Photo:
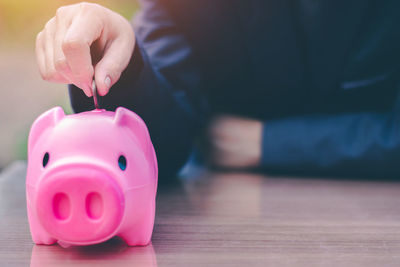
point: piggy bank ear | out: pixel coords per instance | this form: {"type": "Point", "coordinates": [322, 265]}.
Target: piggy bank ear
{"type": "Point", "coordinates": [126, 118]}
{"type": "Point", "coordinates": [42, 123]}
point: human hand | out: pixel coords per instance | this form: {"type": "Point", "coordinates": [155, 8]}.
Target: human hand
{"type": "Point", "coordinates": [234, 142]}
{"type": "Point", "coordinates": [83, 40]}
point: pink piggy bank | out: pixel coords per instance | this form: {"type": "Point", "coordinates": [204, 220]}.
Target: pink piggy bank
{"type": "Point", "coordinates": [91, 176]}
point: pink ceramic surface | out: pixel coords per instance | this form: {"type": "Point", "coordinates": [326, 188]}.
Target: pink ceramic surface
{"type": "Point", "coordinates": [91, 176]}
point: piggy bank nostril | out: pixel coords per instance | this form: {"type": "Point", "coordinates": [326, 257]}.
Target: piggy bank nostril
{"type": "Point", "coordinates": [94, 205]}
{"type": "Point", "coordinates": [61, 206]}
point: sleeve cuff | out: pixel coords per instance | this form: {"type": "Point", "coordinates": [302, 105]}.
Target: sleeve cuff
{"type": "Point", "coordinates": [290, 144]}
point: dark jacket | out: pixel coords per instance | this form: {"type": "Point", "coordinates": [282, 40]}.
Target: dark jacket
{"type": "Point", "coordinates": [323, 75]}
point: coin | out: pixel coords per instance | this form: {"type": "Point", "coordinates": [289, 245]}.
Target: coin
{"type": "Point", "coordinates": [94, 93]}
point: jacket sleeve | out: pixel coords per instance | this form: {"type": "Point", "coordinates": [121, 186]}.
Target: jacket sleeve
{"type": "Point", "coordinates": [356, 144]}
{"type": "Point", "coordinates": [161, 84]}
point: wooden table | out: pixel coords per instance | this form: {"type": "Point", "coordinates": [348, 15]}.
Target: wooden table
{"type": "Point", "coordinates": [232, 219]}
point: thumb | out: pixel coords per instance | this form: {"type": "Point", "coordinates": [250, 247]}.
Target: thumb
{"type": "Point", "coordinates": [115, 59]}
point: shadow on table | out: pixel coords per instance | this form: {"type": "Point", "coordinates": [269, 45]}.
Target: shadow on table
{"type": "Point", "coordinates": [111, 253]}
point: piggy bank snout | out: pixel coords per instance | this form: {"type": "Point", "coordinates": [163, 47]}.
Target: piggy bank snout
{"type": "Point", "coordinates": [80, 208]}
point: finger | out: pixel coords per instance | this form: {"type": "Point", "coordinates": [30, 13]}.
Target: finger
{"type": "Point", "coordinates": [40, 56]}
{"type": "Point", "coordinates": [76, 48]}
{"type": "Point", "coordinates": [51, 73]}
{"type": "Point", "coordinates": [60, 62]}
{"type": "Point", "coordinates": [113, 63]}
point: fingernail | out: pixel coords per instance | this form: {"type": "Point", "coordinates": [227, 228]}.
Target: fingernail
{"type": "Point", "coordinates": [88, 90]}
{"type": "Point", "coordinates": [107, 81]}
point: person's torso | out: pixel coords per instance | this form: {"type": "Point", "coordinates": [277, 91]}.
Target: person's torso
{"type": "Point", "coordinates": [271, 58]}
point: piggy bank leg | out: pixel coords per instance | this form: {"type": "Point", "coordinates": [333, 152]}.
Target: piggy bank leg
{"type": "Point", "coordinates": [140, 233]}
{"type": "Point", "coordinates": [39, 235]}
{"type": "Point", "coordinates": [43, 239]}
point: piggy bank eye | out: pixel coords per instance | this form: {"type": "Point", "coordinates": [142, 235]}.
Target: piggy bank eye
{"type": "Point", "coordinates": [46, 158]}
{"type": "Point", "coordinates": [122, 162]}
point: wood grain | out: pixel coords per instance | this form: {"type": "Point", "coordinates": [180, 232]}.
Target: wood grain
{"type": "Point", "coordinates": [233, 219]}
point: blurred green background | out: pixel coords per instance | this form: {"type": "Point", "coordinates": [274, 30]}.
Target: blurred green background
{"type": "Point", "coordinates": [23, 94]}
